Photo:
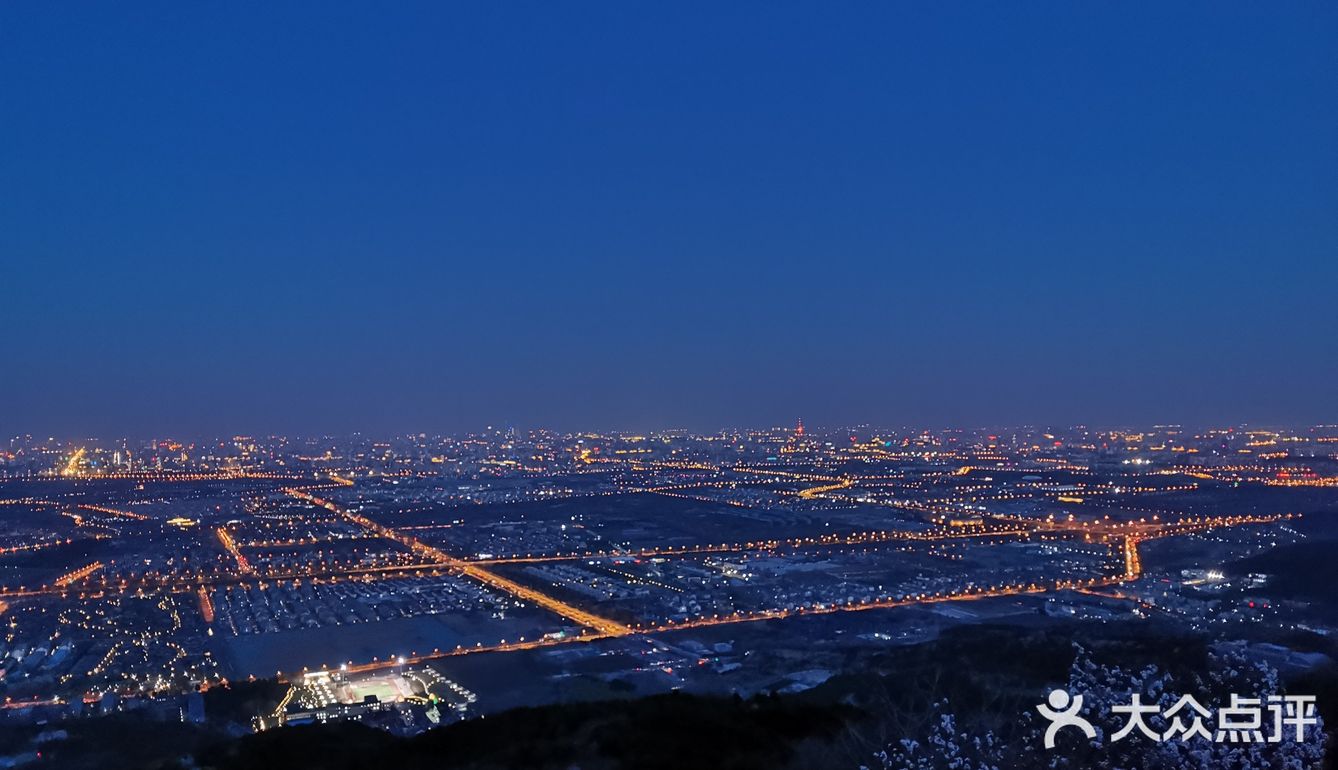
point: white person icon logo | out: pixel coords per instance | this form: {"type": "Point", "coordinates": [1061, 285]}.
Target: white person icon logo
{"type": "Point", "coordinates": [1063, 712]}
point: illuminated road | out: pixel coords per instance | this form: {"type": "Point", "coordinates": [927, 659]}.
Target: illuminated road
{"type": "Point", "coordinates": [71, 470]}
{"type": "Point", "coordinates": [854, 538]}
{"type": "Point", "coordinates": [473, 570]}
{"type": "Point", "coordinates": [815, 492]}
{"type": "Point", "coordinates": [194, 583]}
{"type": "Point", "coordinates": [79, 574]}
{"type": "Point", "coordinates": [230, 546]}
{"type": "Point", "coordinates": [1141, 528]}
{"type": "Point", "coordinates": [206, 606]}
{"type": "Point", "coordinates": [72, 467]}
{"type": "Point", "coordinates": [114, 512]}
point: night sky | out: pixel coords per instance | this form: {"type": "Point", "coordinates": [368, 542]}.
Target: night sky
{"type": "Point", "coordinates": [221, 218]}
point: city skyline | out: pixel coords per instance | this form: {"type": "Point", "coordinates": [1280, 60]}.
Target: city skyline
{"type": "Point", "coordinates": [828, 432]}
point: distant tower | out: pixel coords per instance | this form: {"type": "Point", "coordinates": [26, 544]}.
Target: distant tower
{"type": "Point", "coordinates": [799, 429]}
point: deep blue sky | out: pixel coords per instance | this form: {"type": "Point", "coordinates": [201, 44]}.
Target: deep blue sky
{"type": "Point", "coordinates": [256, 217]}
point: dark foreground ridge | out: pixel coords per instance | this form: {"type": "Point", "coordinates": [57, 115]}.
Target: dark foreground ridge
{"type": "Point", "coordinates": [662, 731]}
{"type": "Point", "coordinates": [990, 676]}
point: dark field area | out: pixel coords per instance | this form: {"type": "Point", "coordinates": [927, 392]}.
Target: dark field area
{"type": "Point", "coordinates": [1307, 570]}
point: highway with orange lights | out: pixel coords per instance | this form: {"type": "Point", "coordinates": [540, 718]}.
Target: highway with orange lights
{"type": "Point", "coordinates": [230, 545]}
{"type": "Point", "coordinates": [471, 569]}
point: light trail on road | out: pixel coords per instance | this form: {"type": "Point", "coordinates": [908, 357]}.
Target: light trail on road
{"type": "Point", "coordinates": [854, 538]}
{"type": "Point", "coordinates": [475, 571]}
{"type": "Point", "coordinates": [230, 546]}
{"type": "Point", "coordinates": [115, 512]}
{"type": "Point", "coordinates": [79, 574]}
